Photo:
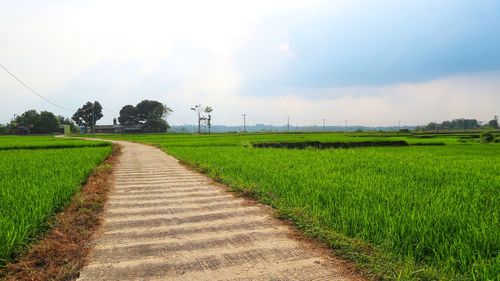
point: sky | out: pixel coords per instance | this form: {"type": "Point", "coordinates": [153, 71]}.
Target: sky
{"type": "Point", "coordinates": [372, 63]}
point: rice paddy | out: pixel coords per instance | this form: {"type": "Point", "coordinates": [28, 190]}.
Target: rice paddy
{"type": "Point", "coordinates": [434, 210]}
{"type": "Point", "coordinates": [428, 210]}
{"type": "Point", "coordinates": [37, 182]}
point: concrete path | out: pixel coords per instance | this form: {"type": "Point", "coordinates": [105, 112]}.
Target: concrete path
{"type": "Point", "coordinates": [166, 222]}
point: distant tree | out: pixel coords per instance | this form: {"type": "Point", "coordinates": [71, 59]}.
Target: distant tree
{"type": "Point", "coordinates": [431, 126]}
{"type": "Point", "coordinates": [198, 109]}
{"type": "Point", "coordinates": [128, 115]}
{"type": "Point", "coordinates": [88, 114]}
{"type": "Point", "coordinates": [28, 119]}
{"type": "Point", "coordinates": [156, 126]}
{"type": "Point", "coordinates": [37, 123]}
{"type": "Point", "coordinates": [493, 123]}
{"type": "Point", "coordinates": [3, 129]}
{"type": "Point", "coordinates": [148, 113]}
{"type": "Point", "coordinates": [150, 110]}
{"type": "Point", "coordinates": [455, 124]}
{"type": "Point", "coordinates": [208, 110]}
{"type": "Point", "coordinates": [487, 137]}
{"type": "Point", "coordinates": [47, 123]}
{"type": "Point", "coordinates": [114, 122]}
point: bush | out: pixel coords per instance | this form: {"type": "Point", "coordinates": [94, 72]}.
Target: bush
{"type": "Point", "coordinates": [487, 137]}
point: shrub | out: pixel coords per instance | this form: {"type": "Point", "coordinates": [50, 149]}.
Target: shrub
{"type": "Point", "coordinates": [487, 137]}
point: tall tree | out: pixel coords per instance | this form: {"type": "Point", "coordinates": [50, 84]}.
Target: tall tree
{"type": "Point", "coordinates": [88, 114]}
{"type": "Point", "coordinates": [208, 110]}
{"type": "Point", "coordinates": [38, 123]}
{"type": "Point", "coordinates": [28, 119]}
{"type": "Point", "coordinates": [128, 115]}
{"type": "Point", "coordinates": [152, 113]}
{"type": "Point", "coordinates": [198, 109]}
{"type": "Point", "coordinates": [148, 113]}
{"type": "Point", "coordinates": [47, 123]}
{"type": "Point", "coordinates": [149, 110]}
{"type": "Point", "coordinates": [493, 123]}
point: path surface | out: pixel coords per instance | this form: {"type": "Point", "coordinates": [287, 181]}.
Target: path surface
{"type": "Point", "coordinates": [166, 222]}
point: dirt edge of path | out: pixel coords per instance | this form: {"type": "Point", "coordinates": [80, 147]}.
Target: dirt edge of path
{"type": "Point", "coordinates": [62, 252]}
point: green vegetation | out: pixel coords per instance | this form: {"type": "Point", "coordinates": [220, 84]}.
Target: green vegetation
{"type": "Point", "coordinates": [487, 137]}
{"type": "Point", "coordinates": [44, 142]}
{"type": "Point", "coordinates": [148, 115]}
{"type": "Point", "coordinates": [405, 213]}
{"type": "Point", "coordinates": [36, 183]}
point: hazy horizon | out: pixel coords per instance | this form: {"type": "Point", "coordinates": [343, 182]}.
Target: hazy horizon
{"type": "Point", "coordinates": [373, 64]}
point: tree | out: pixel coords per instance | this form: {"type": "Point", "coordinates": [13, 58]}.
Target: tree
{"type": "Point", "coordinates": [147, 113]}
{"type": "Point", "coordinates": [128, 115]}
{"type": "Point", "coordinates": [487, 137]}
{"type": "Point", "coordinates": [3, 129]}
{"type": "Point", "coordinates": [455, 124]}
{"type": "Point", "coordinates": [493, 123]}
{"type": "Point", "coordinates": [208, 110]}
{"type": "Point", "coordinates": [28, 119]}
{"type": "Point", "coordinates": [156, 126]}
{"type": "Point", "coordinates": [88, 114]}
{"type": "Point", "coordinates": [198, 109]}
{"type": "Point", "coordinates": [206, 120]}
{"type": "Point", "coordinates": [150, 110]}
{"type": "Point", "coordinates": [38, 123]}
{"type": "Point", "coordinates": [47, 123]}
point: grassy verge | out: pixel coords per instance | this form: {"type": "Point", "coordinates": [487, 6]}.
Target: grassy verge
{"type": "Point", "coordinates": [36, 184]}
{"type": "Point", "coordinates": [59, 253]}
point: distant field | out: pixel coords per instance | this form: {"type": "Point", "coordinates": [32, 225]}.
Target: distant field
{"type": "Point", "coordinates": [247, 139]}
{"type": "Point", "coordinates": [44, 142]}
{"type": "Point", "coordinates": [434, 208]}
{"type": "Point", "coordinates": [35, 183]}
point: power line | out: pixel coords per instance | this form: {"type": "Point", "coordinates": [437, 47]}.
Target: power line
{"type": "Point", "coordinates": [33, 91]}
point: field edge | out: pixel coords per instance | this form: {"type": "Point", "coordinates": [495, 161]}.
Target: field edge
{"type": "Point", "coordinates": [60, 252]}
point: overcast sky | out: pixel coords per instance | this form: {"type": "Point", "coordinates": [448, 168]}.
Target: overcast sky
{"type": "Point", "coordinates": [368, 62]}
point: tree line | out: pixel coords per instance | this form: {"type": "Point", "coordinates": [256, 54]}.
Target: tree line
{"type": "Point", "coordinates": [460, 124]}
{"type": "Point", "coordinates": [148, 116]}
{"type": "Point", "coordinates": [34, 122]}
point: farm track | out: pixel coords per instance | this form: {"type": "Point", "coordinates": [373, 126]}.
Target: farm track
{"type": "Point", "coordinates": [166, 222]}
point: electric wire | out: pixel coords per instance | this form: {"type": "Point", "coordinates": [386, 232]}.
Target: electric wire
{"type": "Point", "coordinates": [31, 90]}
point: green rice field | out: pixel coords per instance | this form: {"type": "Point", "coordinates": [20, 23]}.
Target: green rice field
{"type": "Point", "coordinates": [45, 142]}
{"type": "Point", "coordinates": [37, 182]}
{"type": "Point", "coordinates": [405, 213]}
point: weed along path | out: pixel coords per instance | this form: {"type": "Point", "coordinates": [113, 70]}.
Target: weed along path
{"type": "Point", "coordinates": [166, 222]}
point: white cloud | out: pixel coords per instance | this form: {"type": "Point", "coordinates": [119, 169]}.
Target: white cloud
{"type": "Point", "coordinates": [189, 52]}
{"type": "Point", "coordinates": [467, 96]}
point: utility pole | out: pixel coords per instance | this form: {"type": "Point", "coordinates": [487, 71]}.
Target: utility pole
{"type": "Point", "coordinates": [346, 125]}
{"type": "Point", "coordinates": [288, 125]}
{"type": "Point", "coordinates": [244, 123]}
{"type": "Point", "coordinates": [399, 125]}
{"type": "Point", "coordinates": [324, 124]}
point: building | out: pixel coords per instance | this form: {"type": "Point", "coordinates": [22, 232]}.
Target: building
{"type": "Point", "coordinates": [109, 129]}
